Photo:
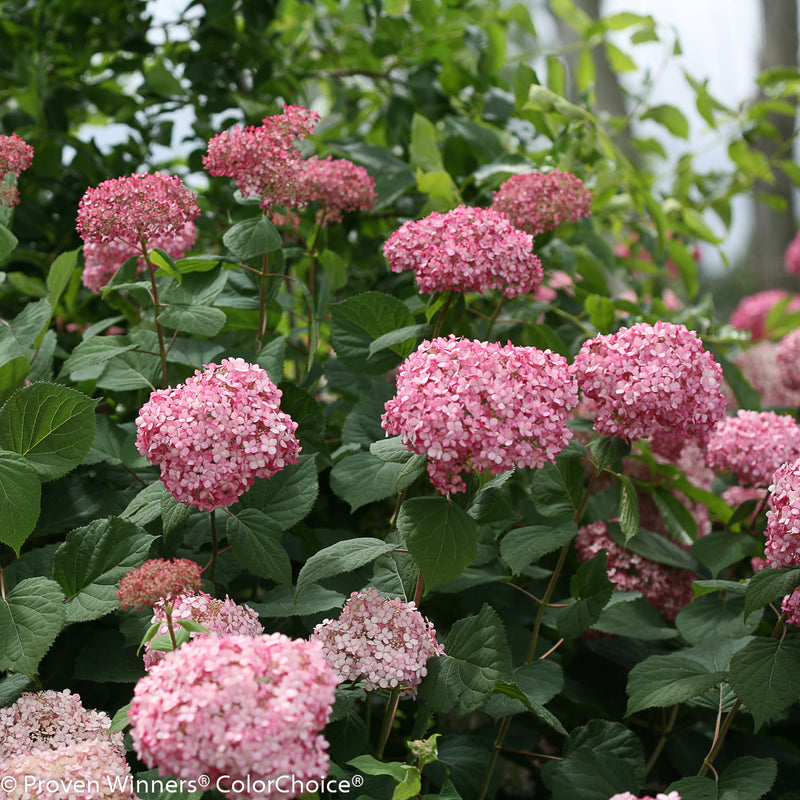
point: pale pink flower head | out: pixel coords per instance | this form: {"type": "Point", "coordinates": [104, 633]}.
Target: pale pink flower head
{"type": "Point", "coordinates": [753, 444]}
{"type": "Point", "coordinates": [236, 706]}
{"type": "Point", "coordinates": [653, 382]}
{"type": "Point", "coordinates": [264, 160]}
{"type": "Point", "coordinates": [216, 433]}
{"type": "Point", "coordinates": [791, 259]}
{"type": "Point", "coordinates": [103, 259]}
{"type": "Point", "coordinates": [669, 589]}
{"type": "Point", "coordinates": [156, 580]}
{"type": "Point", "coordinates": [383, 643]}
{"type": "Point", "coordinates": [50, 720]}
{"type": "Point", "coordinates": [787, 356]}
{"type": "Point", "coordinates": [542, 201]}
{"type": "Point", "coordinates": [782, 547]}
{"type": "Point", "coordinates": [86, 770]}
{"type": "Point", "coordinates": [139, 209]}
{"type": "Point", "coordinates": [16, 156]}
{"type": "Point", "coordinates": [759, 365]}
{"type": "Point", "coordinates": [468, 250]}
{"type": "Point", "coordinates": [220, 617]}
{"type": "Point", "coordinates": [481, 407]}
{"type": "Point", "coordinates": [790, 606]}
{"type": "Point", "coordinates": [752, 312]}
{"type": "Point", "coordinates": [659, 796]}
{"type": "Point", "coordinates": [338, 185]}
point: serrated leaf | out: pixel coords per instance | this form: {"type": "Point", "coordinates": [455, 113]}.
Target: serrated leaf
{"type": "Point", "coordinates": [252, 238]}
{"type": "Point", "coordinates": [671, 117]}
{"type": "Point", "coordinates": [714, 615]}
{"type": "Point", "coordinates": [608, 450]}
{"type": "Point", "coordinates": [391, 449]}
{"type": "Point", "coordinates": [146, 505]}
{"type": "Point", "coordinates": [592, 589]}
{"type": "Point", "coordinates": [746, 778]}
{"type": "Point", "coordinates": [361, 478]}
{"type": "Point", "coordinates": [31, 617]}
{"type": "Point", "coordinates": [59, 274]}
{"type": "Point", "coordinates": [399, 339]}
{"type": "Point", "coordinates": [197, 319]}
{"type": "Point", "coordinates": [20, 499]}
{"type": "Point", "coordinates": [280, 602]}
{"type": "Point", "coordinates": [256, 542]}
{"type": "Point", "coordinates": [558, 488]}
{"type": "Point", "coordinates": [628, 508]}
{"type": "Point", "coordinates": [120, 719]}
{"type": "Point", "coordinates": [521, 547]}
{"type": "Point", "coordinates": [636, 619]}
{"type": "Point", "coordinates": [654, 547]}
{"type": "Point", "coordinates": [769, 585]}
{"type": "Point", "coordinates": [87, 360]}
{"type": "Point", "coordinates": [720, 549]}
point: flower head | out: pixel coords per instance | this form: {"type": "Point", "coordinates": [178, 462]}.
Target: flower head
{"type": "Point", "coordinates": [139, 209]}
{"type": "Point", "coordinates": [782, 548]}
{"type": "Point", "coordinates": [156, 580]}
{"type": "Point", "coordinates": [338, 185]}
{"type": "Point", "coordinates": [753, 444]}
{"type": "Point", "coordinates": [481, 407]}
{"type": "Point", "coordinates": [220, 617]}
{"type": "Point", "coordinates": [218, 432]}
{"type": "Point", "coordinates": [95, 765]}
{"type": "Point", "coordinates": [652, 382]}
{"type": "Point", "coordinates": [752, 312]}
{"type": "Point", "coordinates": [466, 249]}
{"type": "Point", "coordinates": [659, 796]}
{"type": "Point", "coordinates": [541, 201]}
{"type": "Point", "coordinates": [387, 643]}
{"type": "Point", "coordinates": [791, 259]}
{"type": "Point", "coordinates": [50, 720]}
{"type": "Point", "coordinates": [787, 356]}
{"type": "Point", "coordinates": [264, 160]}
{"type": "Point", "coordinates": [236, 706]}
{"type": "Point", "coordinates": [669, 589]}
{"type": "Point", "coordinates": [16, 155]}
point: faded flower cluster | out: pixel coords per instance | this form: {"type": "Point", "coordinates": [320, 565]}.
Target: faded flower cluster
{"type": "Point", "coordinates": [156, 580]}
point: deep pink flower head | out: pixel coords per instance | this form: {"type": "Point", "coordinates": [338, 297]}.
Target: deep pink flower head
{"type": "Point", "coordinates": [387, 643]}
{"type": "Point", "coordinates": [791, 259]}
{"type": "Point", "coordinates": [218, 432]}
{"type": "Point", "coordinates": [264, 160]}
{"type": "Point", "coordinates": [338, 185]}
{"type": "Point", "coordinates": [752, 311]}
{"type": "Point", "coordinates": [236, 706]}
{"type": "Point", "coordinates": [16, 155]}
{"type": "Point", "coordinates": [481, 407]}
{"type": "Point", "coordinates": [103, 259]}
{"type": "Point", "coordinates": [787, 356]}
{"type": "Point", "coordinates": [541, 201]}
{"type": "Point", "coordinates": [158, 579]}
{"type": "Point", "coordinates": [783, 517]}
{"type": "Point", "coordinates": [669, 589]}
{"type": "Point", "coordinates": [467, 249]}
{"type": "Point", "coordinates": [652, 382]}
{"type": "Point", "coordinates": [49, 720]}
{"type": "Point", "coordinates": [220, 617]}
{"type": "Point", "coordinates": [95, 765]}
{"type": "Point", "coordinates": [753, 444]}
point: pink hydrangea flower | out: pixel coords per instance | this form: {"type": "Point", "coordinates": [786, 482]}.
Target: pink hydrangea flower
{"type": "Point", "coordinates": [787, 356]}
{"type": "Point", "coordinates": [481, 407]}
{"type": "Point", "coordinates": [387, 643]}
{"type": "Point", "coordinates": [85, 770]}
{"type": "Point", "coordinates": [103, 259]}
{"type": "Point", "coordinates": [468, 250]}
{"type": "Point", "coordinates": [791, 259]}
{"type": "Point", "coordinates": [752, 312]}
{"type": "Point", "coordinates": [659, 796]}
{"type": "Point", "coordinates": [759, 365]}
{"type": "Point", "coordinates": [139, 209]}
{"type": "Point", "coordinates": [220, 617]}
{"type": "Point", "coordinates": [218, 432]}
{"type": "Point", "coordinates": [753, 444]}
{"type": "Point", "coordinates": [156, 580]}
{"type": "Point", "coordinates": [736, 495]}
{"type": "Point", "coordinates": [264, 160]}
{"type": "Point", "coordinates": [236, 706]}
{"type": "Point", "coordinates": [783, 517]}
{"type": "Point", "coordinates": [50, 720]}
{"type": "Point", "coordinates": [653, 382]}
{"type": "Point", "coordinates": [16, 156]}
{"type": "Point", "coordinates": [669, 589]}
{"type": "Point", "coordinates": [338, 185]}
{"type": "Point", "coordinates": [541, 201]}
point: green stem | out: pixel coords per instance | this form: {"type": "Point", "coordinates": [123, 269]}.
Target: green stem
{"type": "Point", "coordinates": [719, 740]}
{"type": "Point", "coordinates": [493, 318]}
{"type": "Point", "coordinates": [162, 350]}
{"type": "Point", "coordinates": [663, 740]}
{"type": "Point", "coordinates": [443, 313]}
{"type": "Point", "coordinates": [418, 589]}
{"type": "Point", "coordinates": [262, 301]}
{"type": "Point", "coordinates": [212, 563]}
{"type": "Point", "coordinates": [170, 628]}
{"type": "Point", "coordinates": [312, 278]}
{"type": "Point", "coordinates": [388, 720]}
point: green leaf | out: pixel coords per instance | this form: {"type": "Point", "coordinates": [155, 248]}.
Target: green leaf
{"type": "Point", "coordinates": [344, 556]}
{"type": "Point", "coordinates": [87, 360]}
{"type": "Point", "coordinates": [12, 686]}
{"type": "Point", "coordinates": [364, 318]}
{"type": "Point", "coordinates": [391, 449]}
{"type": "Point", "coordinates": [609, 450]}
{"type": "Point", "coordinates": [59, 274]}
{"type": "Point", "coordinates": [12, 375]}
{"type": "Point", "coordinates": [634, 618]}
{"type": "Point", "coordinates": [92, 560]}
{"type": "Point", "coordinates": [558, 488]}
{"type": "Point", "coordinates": [361, 478]}
{"type": "Point", "coordinates": [515, 693]}
{"type": "Point", "coordinates": [130, 371]}
{"type": "Point", "coordinates": [281, 602]}
{"type": "Point", "coordinates": [521, 547]}
{"type": "Point", "coordinates": [720, 549]}
{"type": "Point", "coordinates": [769, 585]}
{"type": "Point", "coordinates": [766, 676]}
{"type": "Point", "coordinates": [252, 238]}
{"type": "Point", "coordinates": [441, 537]}
{"type": "Point", "coordinates": [196, 319]}
{"type": "Point", "coordinates": [363, 423]}
{"type": "Point", "coordinates": [120, 719]}
{"type": "Point", "coordinates": [8, 242]}
{"type": "Point", "coordinates": [256, 542]}
{"type": "Point", "coordinates": [745, 778]}
{"type": "Point", "coordinates": [476, 658]}
{"type": "Point", "coordinates": [671, 117]}
{"type": "Point", "coordinates": [654, 547]}
{"type": "Point", "coordinates": [271, 357]}
{"type": "Point", "coordinates": [400, 338]}
{"type": "Point", "coordinates": [592, 589]}
{"type": "Point", "coordinates": [162, 260]}
{"type": "Point", "coordinates": [370, 765]}
{"type": "Point", "coordinates": [51, 425]}
{"type": "Point", "coordinates": [628, 508]}
{"type": "Point", "coordinates": [20, 499]}
{"type": "Point", "coordinates": [31, 617]}
{"type": "Point", "coordinates": [714, 615]}
{"type": "Point", "coordinates": [424, 149]}
{"type": "Point", "coordinates": [681, 525]}
{"type": "Point", "coordinates": [601, 312]}
{"type": "Point", "coordinates": [146, 506]}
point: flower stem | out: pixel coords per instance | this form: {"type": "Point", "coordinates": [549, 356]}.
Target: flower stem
{"type": "Point", "coordinates": [443, 313]}
{"type": "Point", "coordinates": [212, 562]}
{"type": "Point", "coordinates": [162, 350]}
{"type": "Point", "coordinates": [170, 628]}
{"type": "Point", "coordinates": [663, 740]}
{"type": "Point", "coordinates": [262, 301]}
{"type": "Point", "coordinates": [493, 318]}
{"type": "Point", "coordinates": [388, 720]}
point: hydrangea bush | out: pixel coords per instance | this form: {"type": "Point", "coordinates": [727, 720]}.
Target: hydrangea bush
{"type": "Point", "coordinates": [386, 445]}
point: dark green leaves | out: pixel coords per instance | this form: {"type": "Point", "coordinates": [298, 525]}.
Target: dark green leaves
{"type": "Point", "coordinates": [20, 498]}
{"type": "Point", "coordinates": [256, 542]}
{"type": "Point", "coordinates": [592, 589]}
{"type": "Point", "coordinates": [252, 238]}
{"type": "Point", "coordinates": [746, 778]}
{"type": "Point", "coordinates": [522, 547]}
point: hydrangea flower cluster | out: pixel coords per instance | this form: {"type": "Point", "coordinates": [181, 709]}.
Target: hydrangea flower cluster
{"type": "Point", "coordinates": [236, 706]}
{"type": "Point", "coordinates": [653, 382]}
{"type": "Point", "coordinates": [338, 185]}
{"type": "Point", "coordinates": [659, 796]}
{"type": "Point", "coordinates": [156, 580]}
{"type": "Point", "coordinates": [481, 407]}
{"type": "Point", "coordinates": [541, 201]}
{"type": "Point", "coordinates": [50, 720]}
{"type": "Point", "coordinates": [760, 366]}
{"type": "Point", "coordinates": [385, 642]}
{"type": "Point", "coordinates": [139, 209]}
{"type": "Point", "coordinates": [16, 156]}
{"type": "Point", "coordinates": [88, 769]}
{"type": "Point", "coordinates": [216, 433]}
{"type": "Point", "coordinates": [468, 250]}
{"type": "Point", "coordinates": [220, 617]}
{"type": "Point", "coordinates": [264, 160]}
{"type": "Point", "coordinates": [791, 259]}
{"type": "Point", "coordinates": [783, 517]}
{"type": "Point", "coordinates": [787, 356]}
{"type": "Point", "coordinates": [753, 444]}
{"type": "Point", "coordinates": [752, 311]}
{"type": "Point", "coordinates": [669, 589]}
{"type": "Point", "coordinates": [103, 259]}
